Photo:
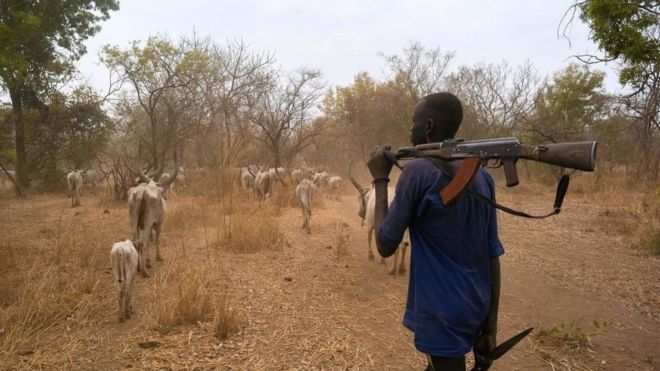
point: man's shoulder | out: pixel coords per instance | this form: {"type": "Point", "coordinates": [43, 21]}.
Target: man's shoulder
{"type": "Point", "coordinates": [420, 171]}
{"type": "Point", "coordinates": [423, 165]}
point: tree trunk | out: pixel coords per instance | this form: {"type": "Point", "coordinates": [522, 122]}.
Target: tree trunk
{"type": "Point", "coordinates": [19, 129]}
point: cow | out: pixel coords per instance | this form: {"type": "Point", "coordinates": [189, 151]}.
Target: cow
{"type": "Point", "coordinates": [124, 257]}
{"type": "Point", "coordinates": [367, 211]}
{"type": "Point", "coordinates": [247, 179]}
{"type": "Point", "coordinates": [74, 181]}
{"type": "Point", "coordinates": [262, 185]}
{"type": "Point", "coordinates": [146, 213]}
{"type": "Point", "coordinates": [92, 177]}
{"type": "Point", "coordinates": [297, 176]}
{"type": "Point", "coordinates": [180, 180]}
{"type": "Point", "coordinates": [304, 193]}
{"type": "Point", "coordinates": [321, 179]}
{"type": "Point", "coordinates": [334, 187]}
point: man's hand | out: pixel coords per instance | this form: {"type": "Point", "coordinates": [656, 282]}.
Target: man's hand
{"type": "Point", "coordinates": [381, 161]}
{"type": "Point", "coordinates": [486, 342]}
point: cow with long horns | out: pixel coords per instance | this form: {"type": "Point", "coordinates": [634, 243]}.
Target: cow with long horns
{"type": "Point", "coordinates": [146, 213]}
{"type": "Point", "coordinates": [366, 211]}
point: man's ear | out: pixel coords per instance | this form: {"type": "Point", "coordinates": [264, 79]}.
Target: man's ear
{"type": "Point", "coordinates": [430, 127]}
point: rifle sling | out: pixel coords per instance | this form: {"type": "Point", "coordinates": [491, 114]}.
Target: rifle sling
{"type": "Point", "coordinates": [559, 197]}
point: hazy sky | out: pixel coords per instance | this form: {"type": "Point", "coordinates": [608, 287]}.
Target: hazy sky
{"type": "Point", "coordinates": [344, 37]}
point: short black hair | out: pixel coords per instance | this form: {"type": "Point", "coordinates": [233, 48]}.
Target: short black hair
{"type": "Point", "coordinates": [447, 113]}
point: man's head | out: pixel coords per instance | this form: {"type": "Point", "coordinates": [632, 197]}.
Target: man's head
{"type": "Point", "coordinates": [436, 118]}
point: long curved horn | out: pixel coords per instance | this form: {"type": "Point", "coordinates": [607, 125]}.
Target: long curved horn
{"type": "Point", "coordinates": [250, 171]}
{"type": "Point", "coordinates": [143, 178]}
{"type": "Point", "coordinates": [176, 172]}
{"type": "Point", "coordinates": [355, 183]}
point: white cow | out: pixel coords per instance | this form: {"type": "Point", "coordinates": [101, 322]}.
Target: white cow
{"type": "Point", "coordinates": [92, 177]}
{"type": "Point", "coordinates": [124, 258]}
{"type": "Point", "coordinates": [262, 185]}
{"type": "Point", "coordinates": [321, 179]}
{"type": "Point", "coordinates": [180, 180]}
{"type": "Point", "coordinates": [367, 211]}
{"type": "Point", "coordinates": [247, 179]}
{"type": "Point", "coordinates": [146, 212]}
{"type": "Point", "coordinates": [74, 181]}
{"type": "Point", "coordinates": [304, 193]}
{"type": "Point", "coordinates": [334, 187]}
{"type": "Point", "coordinates": [297, 176]}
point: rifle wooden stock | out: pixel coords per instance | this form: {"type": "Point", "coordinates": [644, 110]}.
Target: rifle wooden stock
{"type": "Point", "coordinates": [575, 155]}
{"type": "Point", "coordinates": [460, 181]}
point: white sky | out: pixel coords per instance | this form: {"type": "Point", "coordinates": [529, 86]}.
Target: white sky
{"type": "Point", "coordinates": [344, 37]}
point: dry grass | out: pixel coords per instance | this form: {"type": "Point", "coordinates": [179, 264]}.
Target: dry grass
{"type": "Point", "coordinates": [562, 346]}
{"type": "Point", "coordinates": [226, 320]}
{"type": "Point", "coordinates": [342, 238]}
{"type": "Point", "coordinates": [52, 283]}
{"type": "Point", "coordinates": [250, 229]}
{"type": "Point", "coordinates": [57, 298]}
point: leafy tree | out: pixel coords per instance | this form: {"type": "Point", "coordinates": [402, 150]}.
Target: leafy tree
{"type": "Point", "coordinates": [71, 136]}
{"type": "Point", "coordinates": [39, 41]}
{"type": "Point", "coordinates": [628, 32]}
{"type": "Point", "coordinates": [163, 81]}
{"type": "Point", "coordinates": [569, 105]}
{"type": "Point", "coordinates": [367, 113]}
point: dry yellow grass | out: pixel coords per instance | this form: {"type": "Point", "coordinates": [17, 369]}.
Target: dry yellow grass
{"type": "Point", "coordinates": [341, 240]}
{"type": "Point", "coordinates": [226, 319]}
{"type": "Point", "coordinates": [221, 299]}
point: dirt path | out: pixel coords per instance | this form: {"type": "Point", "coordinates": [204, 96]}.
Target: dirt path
{"type": "Point", "coordinates": [318, 303]}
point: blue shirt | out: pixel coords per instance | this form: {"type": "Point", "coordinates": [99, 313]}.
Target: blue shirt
{"type": "Point", "coordinates": [449, 288]}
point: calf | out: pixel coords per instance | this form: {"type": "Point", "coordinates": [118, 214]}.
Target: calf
{"type": "Point", "coordinates": [124, 258]}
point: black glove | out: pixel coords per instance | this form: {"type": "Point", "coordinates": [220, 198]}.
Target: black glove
{"type": "Point", "coordinates": [381, 161]}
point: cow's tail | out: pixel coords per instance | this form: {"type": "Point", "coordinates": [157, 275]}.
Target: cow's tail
{"type": "Point", "coordinates": [119, 267]}
{"type": "Point", "coordinates": [306, 202]}
{"type": "Point", "coordinates": [136, 213]}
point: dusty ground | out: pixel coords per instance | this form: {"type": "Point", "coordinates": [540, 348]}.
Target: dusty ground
{"type": "Point", "coordinates": [315, 301]}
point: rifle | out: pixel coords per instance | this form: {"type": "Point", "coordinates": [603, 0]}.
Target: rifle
{"type": "Point", "coordinates": [505, 152]}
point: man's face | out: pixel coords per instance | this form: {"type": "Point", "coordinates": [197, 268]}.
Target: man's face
{"type": "Point", "coordinates": [419, 124]}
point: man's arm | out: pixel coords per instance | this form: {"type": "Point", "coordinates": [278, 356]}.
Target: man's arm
{"type": "Point", "coordinates": [380, 165]}
{"type": "Point", "coordinates": [381, 208]}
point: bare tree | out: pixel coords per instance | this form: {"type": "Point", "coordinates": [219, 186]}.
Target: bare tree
{"type": "Point", "coordinates": [283, 116]}
{"type": "Point", "coordinates": [420, 70]}
{"type": "Point", "coordinates": [497, 99]}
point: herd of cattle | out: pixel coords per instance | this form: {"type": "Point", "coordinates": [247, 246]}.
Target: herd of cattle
{"type": "Point", "coordinates": [147, 206]}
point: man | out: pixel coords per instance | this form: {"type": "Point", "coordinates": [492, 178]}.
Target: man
{"type": "Point", "coordinates": [453, 294]}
